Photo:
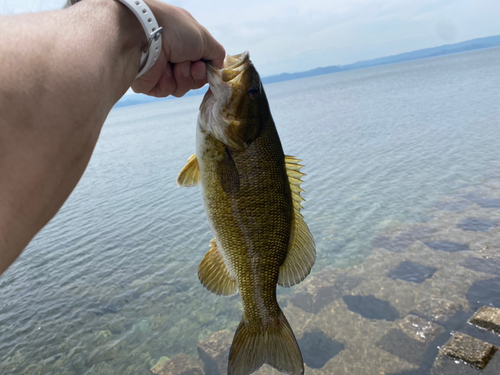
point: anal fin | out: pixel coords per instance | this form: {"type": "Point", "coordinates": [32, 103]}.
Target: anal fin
{"type": "Point", "coordinates": [214, 274]}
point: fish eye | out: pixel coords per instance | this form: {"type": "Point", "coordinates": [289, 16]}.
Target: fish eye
{"type": "Point", "coordinates": [253, 92]}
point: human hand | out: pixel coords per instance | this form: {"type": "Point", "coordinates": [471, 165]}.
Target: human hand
{"type": "Point", "coordinates": [186, 44]}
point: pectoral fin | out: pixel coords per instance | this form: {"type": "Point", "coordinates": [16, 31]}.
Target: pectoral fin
{"type": "Point", "coordinates": [301, 250]}
{"type": "Point", "coordinates": [214, 275]}
{"type": "Point", "coordinates": [189, 176]}
{"type": "Point", "coordinates": [230, 179]}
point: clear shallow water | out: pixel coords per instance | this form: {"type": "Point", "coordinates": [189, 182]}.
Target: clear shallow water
{"type": "Point", "coordinates": [116, 268]}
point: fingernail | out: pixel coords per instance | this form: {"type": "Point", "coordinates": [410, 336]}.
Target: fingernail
{"type": "Point", "coordinates": [185, 70]}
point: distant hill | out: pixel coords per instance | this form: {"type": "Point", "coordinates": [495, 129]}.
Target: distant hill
{"type": "Point", "coordinates": [310, 73]}
{"type": "Point", "coordinates": [469, 45]}
{"type": "Point", "coordinates": [135, 99]}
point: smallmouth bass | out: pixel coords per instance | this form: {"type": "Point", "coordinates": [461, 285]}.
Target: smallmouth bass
{"type": "Point", "coordinates": [251, 192]}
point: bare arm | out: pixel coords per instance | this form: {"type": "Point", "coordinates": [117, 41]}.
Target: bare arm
{"type": "Point", "coordinates": [58, 85]}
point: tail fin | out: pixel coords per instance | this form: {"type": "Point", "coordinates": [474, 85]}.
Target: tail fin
{"type": "Point", "coordinates": [275, 345]}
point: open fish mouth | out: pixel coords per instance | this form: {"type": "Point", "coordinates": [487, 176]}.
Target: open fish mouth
{"type": "Point", "coordinates": [219, 110]}
{"type": "Point", "coordinates": [233, 67]}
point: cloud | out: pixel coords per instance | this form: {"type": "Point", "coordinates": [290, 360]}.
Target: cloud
{"type": "Point", "coordinates": [28, 6]}
{"type": "Point", "coordinates": [295, 35]}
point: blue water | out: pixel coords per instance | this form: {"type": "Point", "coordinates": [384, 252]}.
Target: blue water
{"type": "Point", "coordinates": [115, 271]}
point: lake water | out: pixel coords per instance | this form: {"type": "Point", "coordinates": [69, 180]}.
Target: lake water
{"type": "Point", "coordinates": [117, 267]}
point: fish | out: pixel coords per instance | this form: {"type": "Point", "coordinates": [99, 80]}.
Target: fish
{"type": "Point", "coordinates": [252, 197]}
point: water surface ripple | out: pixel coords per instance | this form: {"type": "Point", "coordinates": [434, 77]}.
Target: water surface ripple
{"type": "Point", "coordinates": [117, 266]}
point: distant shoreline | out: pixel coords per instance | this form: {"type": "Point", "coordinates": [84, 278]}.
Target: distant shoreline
{"type": "Point", "coordinates": [447, 49]}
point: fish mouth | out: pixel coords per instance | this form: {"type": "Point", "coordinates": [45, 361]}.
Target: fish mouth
{"type": "Point", "coordinates": [219, 108]}
{"type": "Point", "coordinates": [232, 68]}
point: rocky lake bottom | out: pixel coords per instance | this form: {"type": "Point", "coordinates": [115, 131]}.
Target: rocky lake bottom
{"type": "Point", "coordinates": [390, 314]}
{"type": "Point", "coordinates": [402, 197]}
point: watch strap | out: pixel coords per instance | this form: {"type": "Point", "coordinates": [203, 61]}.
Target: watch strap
{"type": "Point", "coordinates": [153, 31]}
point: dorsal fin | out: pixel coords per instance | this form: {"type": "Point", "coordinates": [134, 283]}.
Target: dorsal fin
{"type": "Point", "coordinates": [302, 250]}
{"type": "Point", "coordinates": [189, 175]}
{"type": "Point", "coordinates": [214, 275]}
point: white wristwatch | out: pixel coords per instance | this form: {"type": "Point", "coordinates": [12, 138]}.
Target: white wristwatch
{"type": "Point", "coordinates": [149, 24]}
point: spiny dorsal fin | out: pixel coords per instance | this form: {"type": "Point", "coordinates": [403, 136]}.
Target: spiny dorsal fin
{"type": "Point", "coordinates": [189, 175]}
{"type": "Point", "coordinates": [302, 250]}
{"type": "Point", "coordinates": [214, 275]}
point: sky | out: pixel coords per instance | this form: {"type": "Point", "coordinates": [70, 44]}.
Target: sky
{"type": "Point", "coordinates": [298, 35]}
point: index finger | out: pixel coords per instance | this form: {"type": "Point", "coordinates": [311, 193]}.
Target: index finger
{"type": "Point", "coordinates": [214, 52]}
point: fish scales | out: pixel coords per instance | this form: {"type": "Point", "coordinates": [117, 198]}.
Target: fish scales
{"type": "Point", "coordinates": [253, 225]}
{"type": "Point", "coordinates": [251, 192]}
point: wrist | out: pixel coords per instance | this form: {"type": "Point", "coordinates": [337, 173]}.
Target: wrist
{"type": "Point", "coordinates": [121, 23]}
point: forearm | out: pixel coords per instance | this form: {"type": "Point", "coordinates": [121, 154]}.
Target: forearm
{"type": "Point", "coordinates": [61, 74]}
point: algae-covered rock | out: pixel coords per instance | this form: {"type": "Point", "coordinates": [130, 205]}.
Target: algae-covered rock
{"type": "Point", "coordinates": [30, 370]}
{"type": "Point", "coordinates": [104, 353]}
{"type": "Point", "coordinates": [488, 318]}
{"type": "Point", "coordinates": [446, 366]}
{"type": "Point", "coordinates": [214, 352]}
{"type": "Point", "coordinates": [102, 337]}
{"type": "Point", "coordinates": [117, 325]}
{"type": "Point", "coordinates": [469, 349]}
{"type": "Point", "coordinates": [159, 364]}
{"type": "Point", "coordinates": [144, 326]}
{"type": "Point", "coordinates": [181, 364]}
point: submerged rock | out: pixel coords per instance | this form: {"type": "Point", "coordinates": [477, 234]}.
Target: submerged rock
{"type": "Point", "coordinates": [30, 370]}
{"type": "Point", "coordinates": [487, 202]}
{"type": "Point", "coordinates": [411, 272]}
{"type": "Point", "coordinates": [456, 205]}
{"type": "Point", "coordinates": [437, 309]}
{"type": "Point", "coordinates": [448, 246]}
{"type": "Point", "coordinates": [401, 345]}
{"type": "Point", "coordinates": [488, 318]}
{"type": "Point", "coordinates": [486, 264]}
{"type": "Point", "coordinates": [477, 225]}
{"type": "Point", "coordinates": [404, 239]}
{"type": "Point", "coordinates": [117, 325]}
{"type": "Point", "coordinates": [214, 352]}
{"type": "Point", "coordinates": [317, 349]}
{"type": "Point", "coordinates": [317, 292]}
{"type": "Point", "coordinates": [181, 364]}
{"type": "Point", "coordinates": [157, 367]}
{"type": "Point", "coordinates": [370, 307]}
{"type": "Point", "coordinates": [345, 283]}
{"type": "Point", "coordinates": [105, 352]}
{"type": "Point", "coordinates": [446, 366]}
{"type": "Point", "coordinates": [420, 329]}
{"type": "Point", "coordinates": [465, 348]}
{"type": "Point", "coordinates": [484, 292]}
{"type": "Point", "coordinates": [411, 339]}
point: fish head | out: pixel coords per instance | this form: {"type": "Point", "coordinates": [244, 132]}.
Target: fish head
{"type": "Point", "coordinates": [235, 105]}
